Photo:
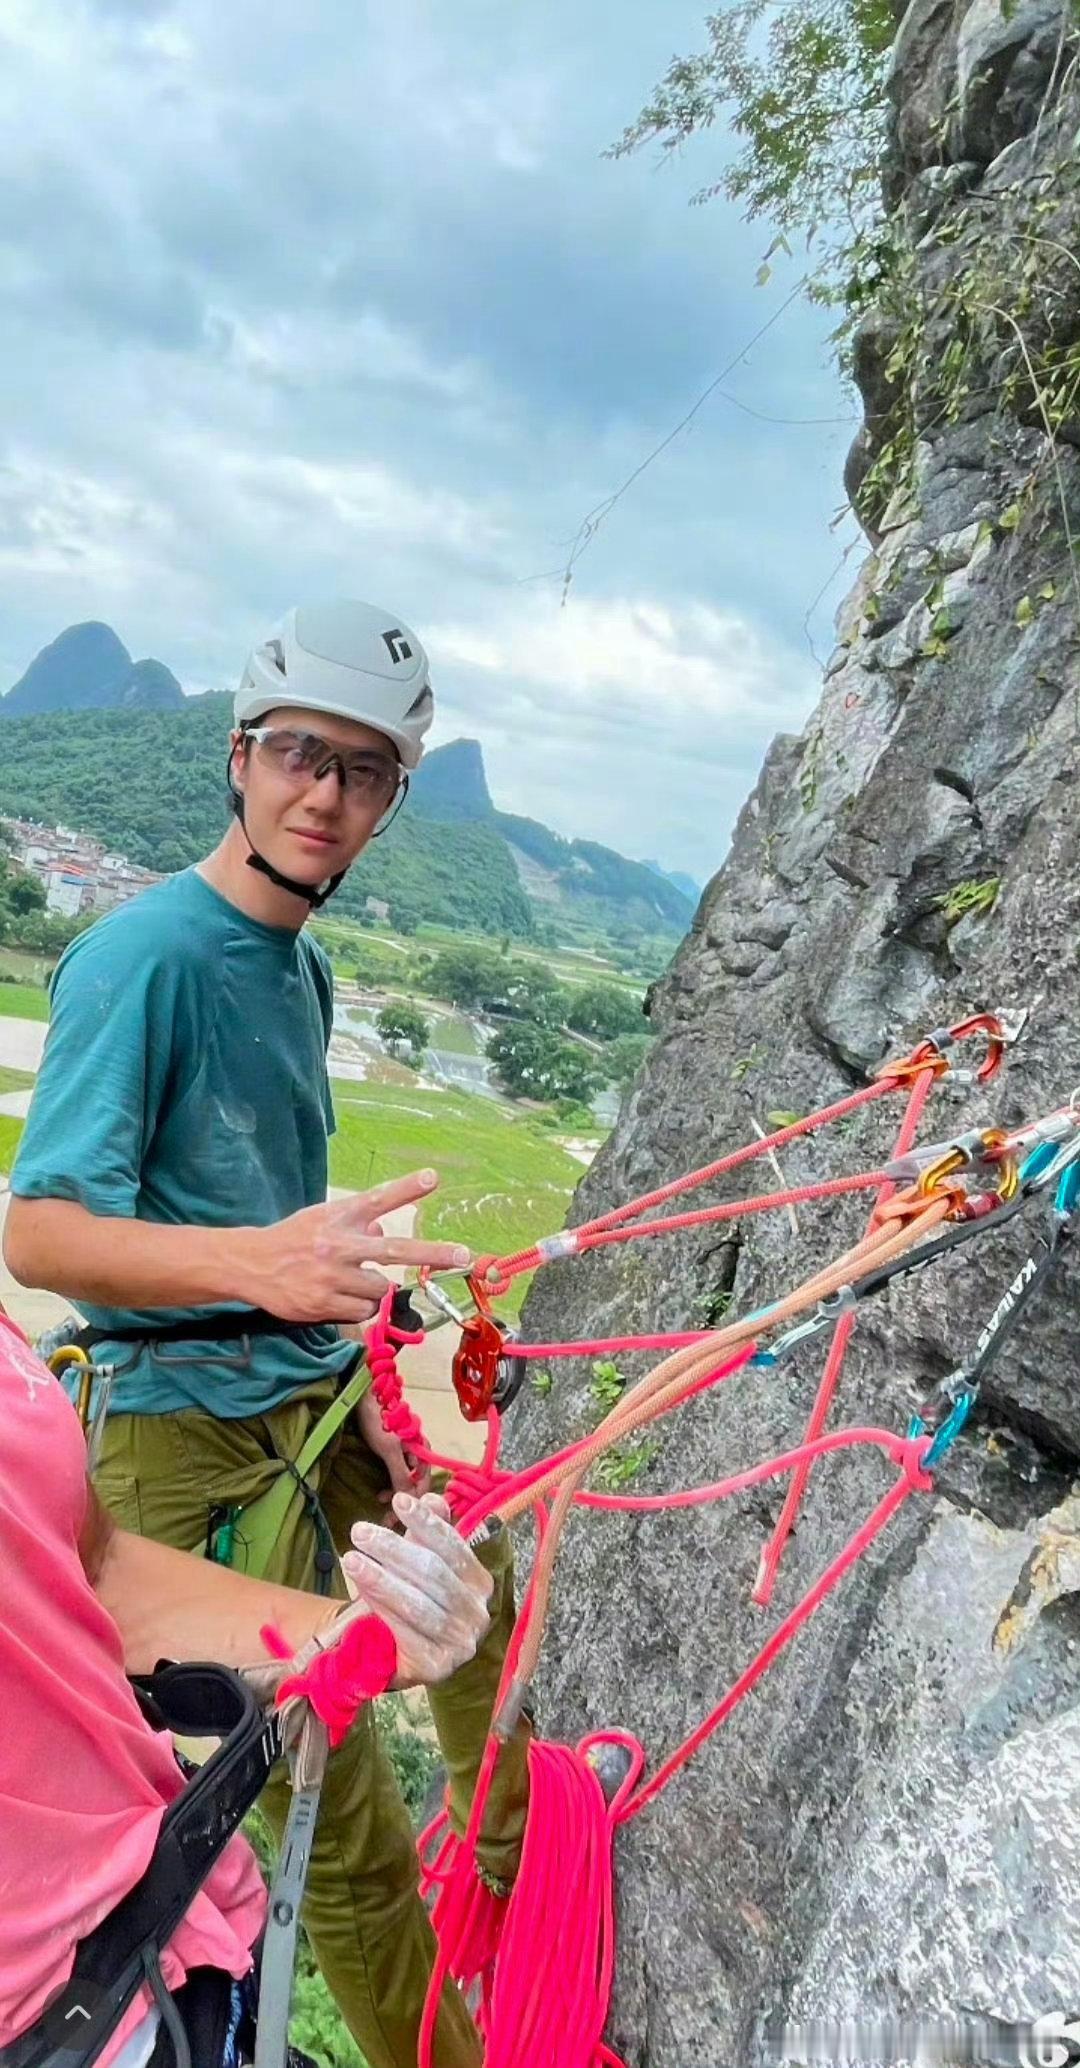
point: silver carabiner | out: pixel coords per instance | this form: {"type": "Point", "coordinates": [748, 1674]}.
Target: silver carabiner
{"type": "Point", "coordinates": [441, 1301]}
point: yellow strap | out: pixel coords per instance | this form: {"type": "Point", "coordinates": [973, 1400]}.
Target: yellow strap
{"type": "Point", "coordinates": [262, 1522]}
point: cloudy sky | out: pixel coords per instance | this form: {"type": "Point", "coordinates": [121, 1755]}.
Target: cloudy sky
{"type": "Point", "coordinates": [302, 300]}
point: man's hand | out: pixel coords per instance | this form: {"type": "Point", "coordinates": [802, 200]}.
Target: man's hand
{"type": "Point", "coordinates": [322, 1264]}
{"type": "Point", "coordinates": [427, 1585]}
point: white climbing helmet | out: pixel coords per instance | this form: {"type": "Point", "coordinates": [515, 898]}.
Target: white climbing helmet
{"type": "Point", "coordinates": [350, 660]}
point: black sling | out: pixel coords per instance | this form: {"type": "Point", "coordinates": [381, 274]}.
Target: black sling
{"type": "Point", "coordinates": [124, 1951]}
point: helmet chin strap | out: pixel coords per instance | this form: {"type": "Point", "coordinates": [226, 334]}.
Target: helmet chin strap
{"type": "Point", "coordinates": [315, 898]}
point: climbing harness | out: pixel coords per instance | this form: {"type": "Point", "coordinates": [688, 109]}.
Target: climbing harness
{"type": "Point", "coordinates": [261, 1717]}
{"type": "Point", "coordinates": [237, 1535]}
{"type": "Point", "coordinates": [124, 1952]}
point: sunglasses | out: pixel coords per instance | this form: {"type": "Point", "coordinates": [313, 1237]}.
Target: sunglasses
{"type": "Point", "coordinates": [304, 757]}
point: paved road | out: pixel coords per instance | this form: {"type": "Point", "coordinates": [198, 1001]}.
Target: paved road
{"type": "Point", "coordinates": [21, 1043]}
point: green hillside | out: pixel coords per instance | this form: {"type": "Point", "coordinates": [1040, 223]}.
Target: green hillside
{"type": "Point", "coordinates": [151, 785]}
{"type": "Point", "coordinates": [594, 880]}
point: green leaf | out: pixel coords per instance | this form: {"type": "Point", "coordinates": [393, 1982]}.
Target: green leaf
{"type": "Point", "coordinates": [780, 1118]}
{"type": "Point", "coordinates": [1048, 592]}
{"type": "Point", "coordinates": [1010, 518]}
{"type": "Point", "coordinates": [1025, 611]}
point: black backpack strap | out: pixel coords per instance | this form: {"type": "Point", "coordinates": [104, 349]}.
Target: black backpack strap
{"type": "Point", "coordinates": [122, 1953]}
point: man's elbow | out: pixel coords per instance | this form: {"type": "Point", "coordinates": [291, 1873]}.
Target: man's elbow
{"type": "Point", "coordinates": [25, 1252]}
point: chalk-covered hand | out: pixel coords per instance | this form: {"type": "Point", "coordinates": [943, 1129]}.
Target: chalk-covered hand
{"type": "Point", "coordinates": [427, 1585]}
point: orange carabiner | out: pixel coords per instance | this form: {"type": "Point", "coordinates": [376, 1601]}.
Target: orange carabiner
{"type": "Point", "coordinates": [989, 1024]}
{"type": "Point", "coordinates": [1005, 1162]}
{"type": "Point", "coordinates": [930, 1180]}
{"type": "Point", "coordinates": [930, 1054]}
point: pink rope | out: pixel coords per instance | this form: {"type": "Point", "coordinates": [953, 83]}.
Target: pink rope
{"type": "Point", "coordinates": [536, 2012]}
{"type": "Point", "coordinates": [338, 1681]}
{"type": "Point", "coordinates": [774, 1549]}
{"type": "Point", "coordinates": [505, 1268]}
{"type": "Point", "coordinates": [732, 1209]}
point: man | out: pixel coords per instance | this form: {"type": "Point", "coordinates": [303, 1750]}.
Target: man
{"type": "Point", "coordinates": [174, 1163]}
{"type": "Point", "coordinates": [84, 1780]}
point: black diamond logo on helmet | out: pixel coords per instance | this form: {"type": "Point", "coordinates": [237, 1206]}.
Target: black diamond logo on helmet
{"type": "Point", "coordinates": [397, 646]}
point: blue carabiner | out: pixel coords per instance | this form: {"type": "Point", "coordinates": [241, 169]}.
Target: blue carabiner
{"type": "Point", "coordinates": [948, 1431]}
{"type": "Point", "coordinates": [1038, 1160]}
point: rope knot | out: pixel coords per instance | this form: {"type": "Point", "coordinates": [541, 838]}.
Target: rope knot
{"type": "Point", "coordinates": [913, 1454]}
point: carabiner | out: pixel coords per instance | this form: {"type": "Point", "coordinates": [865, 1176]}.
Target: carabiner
{"type": "Point", "coordinates": [976, 1147]}
{"type": "Point", "coordinates": [930, 1054]}
{"type": "Point", "coordinates": [947, 1431]}
{"type": "Point", "coordinates": [997, 1041]}
{"type": "Point", "coordinates": [946, 1166]}
{"type": "Point", "coordinates": [69, 1353]}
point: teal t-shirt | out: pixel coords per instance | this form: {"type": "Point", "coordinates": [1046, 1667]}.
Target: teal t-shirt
{"type": "Point", "coordinates": [184, 1081]}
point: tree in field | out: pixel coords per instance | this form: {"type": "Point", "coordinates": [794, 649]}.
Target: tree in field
{"type": "Point", "coordinates": [624, 1057]}
{"type": "Point", "coordinates": [535, 1063]}
{"type": "Point", "coordinates": [467, 976]}
{"type": "Point", "coordinates": [400, 1025]}
{"type": "Point", "coordinates": [604, 1011]}
{"type": "Point", "coordinates": [532, 993]}
{"type": "Point", "coordinates": [23, 893]}
{"type": "Point", "coordinates": [404, 915]}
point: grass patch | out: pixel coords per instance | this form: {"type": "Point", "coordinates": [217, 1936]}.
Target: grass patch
{"type": "Point", "coordinates": [10, 1135]}
{"type": "Point", "coordinates": [24, 1002]}
{"type": "Point", "coordinates": [503, 1180]}
{"type": "Point", "coordinates": [26, 965]}
{"type": "Point", "coordinates": [15, 1080]}
{"type": "Point", "coordinates": [449, 1032]}
{"type": "Point", "coordinates": [969, 897]}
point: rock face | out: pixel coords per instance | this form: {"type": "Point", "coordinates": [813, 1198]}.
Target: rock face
{"type": "Point", "coordinates": [890, 1825]}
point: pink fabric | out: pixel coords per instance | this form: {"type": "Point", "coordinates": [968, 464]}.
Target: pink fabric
{"type": "Point", "coordinates": [83, 1781]}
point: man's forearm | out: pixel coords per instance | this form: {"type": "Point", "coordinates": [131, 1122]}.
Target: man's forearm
{"type": "Point", "coordinates": [116, 1262]}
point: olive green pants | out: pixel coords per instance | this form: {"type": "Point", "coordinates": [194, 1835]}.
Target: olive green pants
{"type": "Point", "coordinates": [160, 1475]}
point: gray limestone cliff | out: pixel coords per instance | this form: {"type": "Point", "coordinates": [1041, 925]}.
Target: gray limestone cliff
{"type": "Point", "coordinates": [891, 1824]}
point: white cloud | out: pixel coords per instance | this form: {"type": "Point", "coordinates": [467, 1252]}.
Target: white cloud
{"type": "Point", "coordinates": [60, 523]}
{"type": "Point", "coordinates": [628, 720]}
{"type": "Point", "coordinates": [618, 662]}
{"type": "Point", "coordinates": [302, 350]}
{"type": "Point", "coordinates": [290, 307]}
{"type": "Point", "coordinates": [509, 121]}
